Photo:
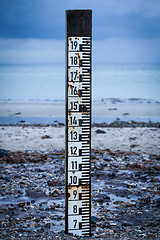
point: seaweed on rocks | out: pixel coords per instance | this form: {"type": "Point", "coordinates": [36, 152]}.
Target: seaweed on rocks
{"type": "Point", "coordinates": [125, 195]}
{"type": "Point", "coordinates": [133, 124]}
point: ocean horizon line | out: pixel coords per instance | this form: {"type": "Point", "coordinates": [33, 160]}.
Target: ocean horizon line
{"type": "Point", "coordinates": [102, 100]}
{"type": "Point", "coordinates": [94, 64]}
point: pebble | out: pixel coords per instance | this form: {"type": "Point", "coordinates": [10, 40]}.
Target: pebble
{"type": "Point", "coordinates": [132, 185]}
{"type": "Point", "coordinates": [21, 204]}
{"type": "Point", "coordinates": [3, 153]}
{"type": "Point", "coordinates": [56, 192]}
{"type": "Point", "coordinates": [53, 207]}
{"type": "Point", "coordinates": [99, 131]}
{"type": "Point", "coordinates": [45, 137]}
{"type": "Point", "coordinates": [118, 123]}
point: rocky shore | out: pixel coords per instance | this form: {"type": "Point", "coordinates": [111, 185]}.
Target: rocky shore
{"type": "Point", "coordinates": [125, 195]}
{"type": "Point", "coordinates": [133, 124]}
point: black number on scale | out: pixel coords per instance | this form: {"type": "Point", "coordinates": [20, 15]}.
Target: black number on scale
{"type": "Point", "coordinates": [74, 193]}
{"type": "Point", "coordinates": [73, 150]}
{"type": "Point", "coordinates": [73, 120]}
{"type": "Point", "coordinates": [74, 105]}
{"type": "Point", "coordinates": [75, 208]}
{"type": "Point", "coordinates": [74, 60]}
{"type": "Point", "coordinates": [73, 135]}
{"type": "Point", "coordinates": [74, 45]}
{"type": "Point", "coordinates": [73, 90]}
{"type": "Point", "coordinates": [73, 76]}
{"type": "Point", "coordinates": [74, 164]}
{"type": "Point", "coordinates": [73, 179]}
{"type": "Point", "coordinates": [75, 223]}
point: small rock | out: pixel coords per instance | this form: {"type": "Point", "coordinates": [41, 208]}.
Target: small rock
{"type": "Point", "coordinates": [111, 109]}
{"type": "Point", "coordinates": [94, 219]}
{"type": "Point", "coordinates": [100, 131]}
{"type": "Point", "coordinates": [107, 159]}
{"type": "Point", "coordinates": [111, 231]}
{"type": "Point", "coordinates": [53, 207]}
{"type": "Point", "coordinates": [45, 137]}
{"type": "Point", "coordinates": [106, 198]}
{"type": "Point", "coordinates": [103, 198]}
{"type": "Point", "coordinates": [132, 138]}
{"type": "Point", "coordinates": [3, 153]}
{"type": "Point", "coordinates": [112, 175]}
{"type": "Point", "coordinates": [11, 208]}
{"type": "Point", "coordinates": [53, 182]}
{"type": "Point", "coordinates": [134, 145]}
{"type": "Point", "coordinates": [18, 113]}
{"type": "Point", "coordinates": [61, 124]}
{"type": "Point", "coordinates": [56, 192]}
{"type": "Point", "coordinates": [21, 204]}
{"type": "Point", "coordinates": [112, 223]}
{"type": "Point", "coordinates": [99, 199]}
{"type": "Point", "coordinates": [132, 185]}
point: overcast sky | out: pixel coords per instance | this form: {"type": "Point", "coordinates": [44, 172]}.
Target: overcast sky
{"type": "Point", "coordinates": [124, 31]}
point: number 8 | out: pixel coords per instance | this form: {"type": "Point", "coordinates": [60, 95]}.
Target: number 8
{"type": "Point", "coordinates": [75, 208]}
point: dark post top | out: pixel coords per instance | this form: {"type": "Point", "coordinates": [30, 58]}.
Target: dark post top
{"type": "Point", "coordinates": [79, 23]}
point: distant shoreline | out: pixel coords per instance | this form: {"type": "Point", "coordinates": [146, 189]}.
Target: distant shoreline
{"type": "Point", "coordinates": [99, 100]}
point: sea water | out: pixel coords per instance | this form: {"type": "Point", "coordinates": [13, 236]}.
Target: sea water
{"type": "Point", "coordinates": [47, 82]}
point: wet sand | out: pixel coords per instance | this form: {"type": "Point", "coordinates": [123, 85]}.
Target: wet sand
{"type": "Point", "coordinates": [140, 140]}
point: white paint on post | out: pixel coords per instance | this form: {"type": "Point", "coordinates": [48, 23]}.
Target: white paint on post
{"type": "Point", "coordinates": [78, 135]}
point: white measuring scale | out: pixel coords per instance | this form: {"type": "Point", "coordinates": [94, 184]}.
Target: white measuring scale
{"type": "Point", "coordinates": [78, 136]}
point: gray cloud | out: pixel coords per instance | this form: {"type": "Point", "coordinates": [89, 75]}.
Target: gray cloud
{"type": "Point", "coordinates": [147, 8]}
{"type": "Point", "coordinates": [111, 18]}
{"type": "Point", "coordinates": [123, 30]}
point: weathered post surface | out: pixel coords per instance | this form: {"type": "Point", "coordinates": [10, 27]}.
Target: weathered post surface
{"type": "Point", "coordinates": [78, 122]}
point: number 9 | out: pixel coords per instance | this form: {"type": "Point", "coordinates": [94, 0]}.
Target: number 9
{"type": "Point", "coordinates": [75, 193]}
{"type": "Point", "coordinates": [75, 44]}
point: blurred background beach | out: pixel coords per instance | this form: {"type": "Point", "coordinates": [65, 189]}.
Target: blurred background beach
{"type": "Point", "coordinates": [47, 82]}
{"type": "Point", "coordinates": [125, 91]}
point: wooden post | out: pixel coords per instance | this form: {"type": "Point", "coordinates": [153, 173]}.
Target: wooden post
{"type": "Point", "coordinates": [78, 122]}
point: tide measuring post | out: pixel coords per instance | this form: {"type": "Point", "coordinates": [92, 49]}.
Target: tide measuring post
{"type": "Point", "coordinates": [78, 122]}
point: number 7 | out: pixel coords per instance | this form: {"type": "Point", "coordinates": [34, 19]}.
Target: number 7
{"type": "Point", "coordinates": [75, 223]}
